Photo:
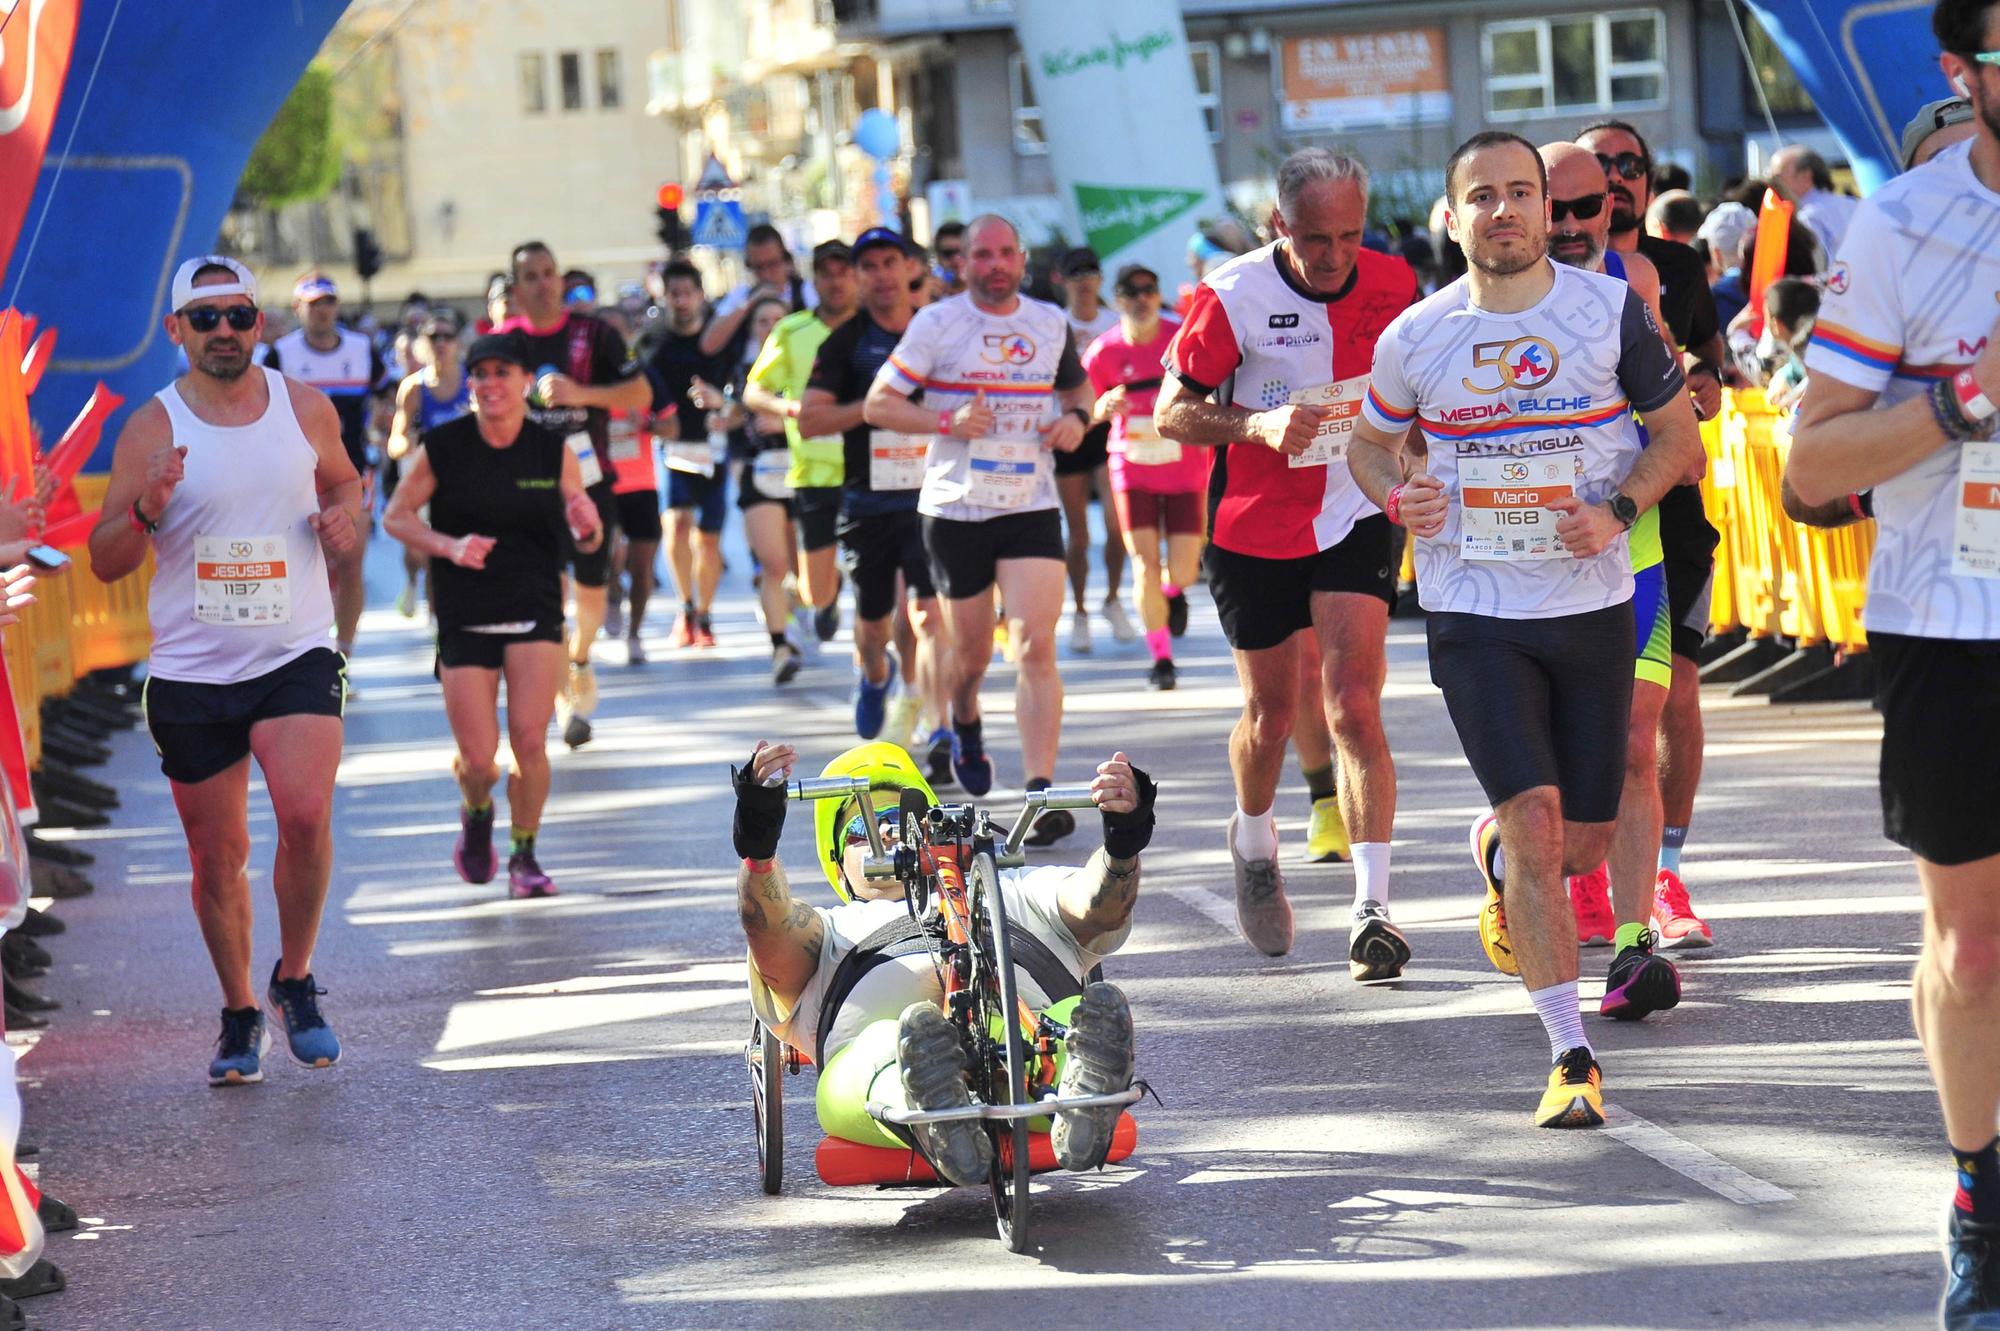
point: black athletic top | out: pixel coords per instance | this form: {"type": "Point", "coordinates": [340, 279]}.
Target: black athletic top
{"type": "Point", "coordinates": [514, 495]}
{"type": "Point", "coordinates": [591, 352]}
{"type": "Point", "coordinates": [845, 366]}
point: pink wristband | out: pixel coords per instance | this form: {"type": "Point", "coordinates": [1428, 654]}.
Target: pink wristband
{"type": "Point", "coordinates": [1978, 408]}
{"type": "Point", "coordinates": [1392, 508]}
{"type": "Point", "coordinates": [944, 422]}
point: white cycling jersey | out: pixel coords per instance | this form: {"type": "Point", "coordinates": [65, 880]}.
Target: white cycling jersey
{"type": "Point", "coordinates": [1520, 410]}
{"type": "Point", "coordinates": [953, 351]}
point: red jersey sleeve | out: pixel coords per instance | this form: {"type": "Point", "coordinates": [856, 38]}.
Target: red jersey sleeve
{"type": "Point", "coordinates": [1205, 352]}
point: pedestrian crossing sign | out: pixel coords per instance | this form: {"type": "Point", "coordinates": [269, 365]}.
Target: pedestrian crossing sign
{"type": "Point", "coordinates": [719, 224]}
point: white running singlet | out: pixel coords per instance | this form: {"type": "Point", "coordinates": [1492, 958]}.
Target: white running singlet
{"type": "Point", "coordinates": [1910, 301]}
{"type": "Point", "coordinates": [953, 351]}
{"type": "Point", "coordinates": [239, 582]}
{"type": "Point", "coordinates": [1519, 410]}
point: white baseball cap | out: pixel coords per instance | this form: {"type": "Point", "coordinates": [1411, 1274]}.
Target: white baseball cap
{"type": "Point", "coordinates": [187, 293]}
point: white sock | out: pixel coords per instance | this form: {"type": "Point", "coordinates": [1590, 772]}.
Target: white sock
{"type": "Point", "coordinates": [1562, 1017]}
{"type": "Point", "coordinates": [1256, 835]}
{"type": "Point", "coordinates": [1371, 872]}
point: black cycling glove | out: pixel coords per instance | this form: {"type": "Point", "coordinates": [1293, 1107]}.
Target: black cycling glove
{"type": "Point", "coordinates": [1126, 834]}
{"type": "Point", "coordinates": [760, 814]}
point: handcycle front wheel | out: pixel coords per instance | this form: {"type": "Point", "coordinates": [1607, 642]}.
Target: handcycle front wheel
{"type": "Point", "coordinates": [765, 1058]}
{"type": "Point", "coordinates": [1002, 1069]}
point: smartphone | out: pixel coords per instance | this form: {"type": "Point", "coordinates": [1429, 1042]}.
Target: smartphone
{"type": "Point", "coordinates": [47, 558]}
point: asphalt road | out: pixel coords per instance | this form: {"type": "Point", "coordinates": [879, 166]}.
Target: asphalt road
{"type": "Point", "coordinates": [542, 1119]}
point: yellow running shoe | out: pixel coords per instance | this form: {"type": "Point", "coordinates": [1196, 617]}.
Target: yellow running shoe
{"type": "Point", "coordinates": [1493, 915]}
{"type": "Point", "coordinates": [1575, 1097]}
{"type": "Point", "coordinates": [1326, 835]}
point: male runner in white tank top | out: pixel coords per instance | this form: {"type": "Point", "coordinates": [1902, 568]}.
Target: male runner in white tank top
{"type": "Point", "coordinates": [236, 478]}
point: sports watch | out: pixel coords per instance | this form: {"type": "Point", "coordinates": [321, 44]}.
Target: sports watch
{"type": "Point", "coordinates": [1624, 509]}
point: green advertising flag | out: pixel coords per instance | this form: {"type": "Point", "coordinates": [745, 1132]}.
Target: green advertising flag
{"type": "Point", "coordinates": [1114, 216]}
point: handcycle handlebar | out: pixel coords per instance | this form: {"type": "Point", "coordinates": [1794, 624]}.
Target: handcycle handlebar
{"type": "Point", "coordinates": [1048, 797]}
{"type": "Point", "coordinates": [880, 864]}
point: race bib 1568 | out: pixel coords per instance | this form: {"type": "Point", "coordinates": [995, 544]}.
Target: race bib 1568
{"type": "Point", "coordinates": [1330, 444]}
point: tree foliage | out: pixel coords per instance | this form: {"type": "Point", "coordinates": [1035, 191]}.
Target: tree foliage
{"type": "Point", "coordinates": [298, 158]}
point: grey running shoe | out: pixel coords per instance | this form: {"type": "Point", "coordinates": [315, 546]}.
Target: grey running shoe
{"type": "Point", "coordinates": [1376, 949]}
{"type": "Point", "coordinates": [1262, 912]}
{"type": "Point", "coordinates": [1098, 1062]}
{"type": "Point", "coordinates": [932, 1062]}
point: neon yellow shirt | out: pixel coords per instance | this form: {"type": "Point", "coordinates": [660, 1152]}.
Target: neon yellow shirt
{"type": "Point", "coordinates": [782, 367]}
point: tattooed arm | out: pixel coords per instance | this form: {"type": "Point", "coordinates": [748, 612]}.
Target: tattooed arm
{"type": "Point", "coordinates": [1097, 899]}
{"type": "Point", "coordinates": [784, 935]}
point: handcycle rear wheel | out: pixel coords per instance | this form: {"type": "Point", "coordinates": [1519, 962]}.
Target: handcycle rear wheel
{"type": "Point", "coordinates": [765, 1058]}
{"type": "Point", "coordinates": [1002, 1071]}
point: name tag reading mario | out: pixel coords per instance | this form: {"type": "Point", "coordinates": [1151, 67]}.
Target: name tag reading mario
{"type": "Point", "coordinates": [1144, 446]}
{"type": "Point", "coordinates": [1976, 532]}
{"type": "Point", "coordinates": [1503, 505]}
{"type": "Point", "coordinates": [241, 581]}
{"type": "Point", "coordinates": [1330, 444]}
{"type": "Point", "coordinates": [896, 461]}
{"type": "Point", "coordinates": [1003, 471]}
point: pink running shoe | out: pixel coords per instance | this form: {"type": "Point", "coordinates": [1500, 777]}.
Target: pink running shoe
{"type": "Point", "coordinates": [525, 877]}
{"type": "Point", "coordinates": [1674, 919]}
{"type": "Point", "coordinates": [1590, 897]}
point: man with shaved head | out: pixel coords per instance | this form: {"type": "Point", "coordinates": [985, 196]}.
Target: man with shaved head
{"type": "Point", "coordinates": [1003, 390]}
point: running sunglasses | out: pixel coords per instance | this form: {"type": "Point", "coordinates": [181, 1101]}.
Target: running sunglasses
{"type": "Point", "coordinates": [949, 254]}
{"type": "Point", "coordinates": [205, 318]}
{"type": "Point", "coordinates": [1582, 208]}
{"type": "Point", "coordinates": [1140, 289]}
{"type": "Point", "coordinates": [888, 819]}
{"type": "Point", "coordinates": [1626, 166]}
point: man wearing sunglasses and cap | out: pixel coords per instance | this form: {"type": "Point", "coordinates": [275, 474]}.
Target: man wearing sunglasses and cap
{"type": "Point", "coordinates": [344, 365]}
{"type": "Point", "coordinates": [236, 480]}
{"type": "Point", "coordinates": [854, 989]}
{"type": "Point", "coordinates": [1686, 535]}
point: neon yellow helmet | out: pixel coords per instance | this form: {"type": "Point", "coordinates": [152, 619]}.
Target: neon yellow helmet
{"type": "Point", "coordinates": [881, 762]}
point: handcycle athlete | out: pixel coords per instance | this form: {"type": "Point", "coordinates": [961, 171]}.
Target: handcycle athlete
{"type": "Point", "coordinates": [887, 991]}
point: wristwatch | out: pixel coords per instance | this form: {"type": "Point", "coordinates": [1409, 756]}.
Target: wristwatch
{"type": "Point", "coordinates": [1624, 509]}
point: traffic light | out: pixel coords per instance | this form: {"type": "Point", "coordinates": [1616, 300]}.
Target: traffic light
{"type": "Point", "coordinates": [672, 231]}
{"type": "Point", "coordinates": [367, 254]}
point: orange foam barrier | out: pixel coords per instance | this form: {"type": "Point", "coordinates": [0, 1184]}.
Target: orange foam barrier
{"type": "Point", "coordinates": [843, 1164]}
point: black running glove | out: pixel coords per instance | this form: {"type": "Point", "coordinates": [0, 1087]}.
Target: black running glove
{"type": "Point", "coordinates": [760, 814]}
{"type": "Point", "coordinates": [1126, 834]}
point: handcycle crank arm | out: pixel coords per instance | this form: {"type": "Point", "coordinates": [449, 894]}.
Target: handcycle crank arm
{"type": "Point", "coordinates": [1048, 1104]}
{"type": "Point", "coordinates": [1049, 797]}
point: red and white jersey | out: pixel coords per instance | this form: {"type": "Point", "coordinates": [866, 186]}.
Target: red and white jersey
{"type": "Point", "coordinates": [1254, 337]}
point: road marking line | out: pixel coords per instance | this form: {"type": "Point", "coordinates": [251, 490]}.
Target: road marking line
{"type": "Point", "coordinates": [1690, 1161]}
{"type": "Point", "coordinates": [1206, 902]}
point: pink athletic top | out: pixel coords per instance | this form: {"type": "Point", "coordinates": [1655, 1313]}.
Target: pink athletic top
{"type": "Point", "coordinates": [1112, 361]}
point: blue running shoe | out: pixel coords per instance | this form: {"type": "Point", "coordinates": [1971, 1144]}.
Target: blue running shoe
{"type": "Point", "coordinates": [295, 1003]}
{"type": "Point", "coordinates": [240, 1049]}
{"type": "Point", "coordinates": [871, 703]}
{"type": "Point", "coordinates": [970, 764]}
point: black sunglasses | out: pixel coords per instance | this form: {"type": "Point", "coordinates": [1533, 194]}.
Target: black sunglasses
{"type": "Point", "coordinates": [204, 319]}
{"type": "Point", "coordinates": [1139, 289]}
{"type": "Point", "coordinates": [949, 254]}
{"type": "Point", "coordinates": [1582, 208]}
{"type": "Point", "coordinates": [1626, 166]}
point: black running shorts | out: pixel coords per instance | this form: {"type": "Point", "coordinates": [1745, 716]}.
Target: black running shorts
{"type": "Point", "coordinates": [488, 651]}
{"type": "Point", "coordinates": [1263, 602]}
{"type": "Point", "coordinates": [201, 730]}
{"type": "Point", "coordinates": [1088, 456]}
{"type": "Point", "coordinates": [965, 555]}
{"type": "Point", "coordinates": [1540, 702]}
{"type": "Point", "coordinates": [816, 509]}
{"type": "Point", "coordinates": [1940, 705]}
{"type": "Point", "coordinates": [639, 516]}
{"type": "Point", "coordinates": [878, 549]}
{"type": "Point", "coordinates": [594, 569]}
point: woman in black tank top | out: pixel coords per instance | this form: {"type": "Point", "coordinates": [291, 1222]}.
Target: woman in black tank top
{"type": "Point", "coordinates": [505, 495]}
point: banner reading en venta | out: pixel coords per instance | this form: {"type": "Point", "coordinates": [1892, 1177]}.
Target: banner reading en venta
{"type": "Point", "coordinates": [1127, 142]}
